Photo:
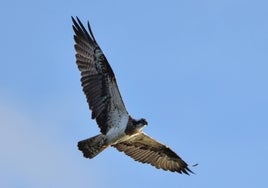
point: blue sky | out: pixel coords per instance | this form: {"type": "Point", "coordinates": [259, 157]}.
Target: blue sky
{"type": "Point", "coordinates": [196, 70]}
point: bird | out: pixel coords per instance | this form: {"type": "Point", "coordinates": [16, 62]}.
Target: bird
{"type": "Point", "coordinates": [118, 128]}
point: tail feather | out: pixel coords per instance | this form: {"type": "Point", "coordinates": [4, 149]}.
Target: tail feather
{"type": "Point", "coordinates": [92, 146]}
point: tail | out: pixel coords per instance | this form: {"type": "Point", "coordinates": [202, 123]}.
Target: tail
{"type": "Point", "coordinates": [92, 146]}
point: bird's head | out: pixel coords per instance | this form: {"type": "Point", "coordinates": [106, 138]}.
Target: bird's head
{"type": "Point", "coordinates": [141, 123]}
{"type": "Point", "coordinates": [135, 126]}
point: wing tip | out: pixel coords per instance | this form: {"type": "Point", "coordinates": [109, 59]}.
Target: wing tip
{"type": "Point", "coordinates": [187, 170]}
{"type": "Point", "coordinates": [79, 29]}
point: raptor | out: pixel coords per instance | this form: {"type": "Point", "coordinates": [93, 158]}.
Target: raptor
{"type": "Point", "coordinates": [117, 128]}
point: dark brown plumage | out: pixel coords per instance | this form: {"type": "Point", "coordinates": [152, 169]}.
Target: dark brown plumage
{"type": "Point", "coordinates": [96, 75]}
{"type": "Point", "coordinates": [118, 128]}
{"type": "Point", "coordinates": [144, 149]}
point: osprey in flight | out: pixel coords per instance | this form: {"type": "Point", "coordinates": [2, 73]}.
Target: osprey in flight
{"type": "Point", "coordinates": [118, 129]}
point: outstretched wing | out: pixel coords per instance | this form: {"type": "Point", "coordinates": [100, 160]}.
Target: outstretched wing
{"type": "Point", "coordinates": [97, 78]}
{"type": "Point", "coordinates": [145, 149]}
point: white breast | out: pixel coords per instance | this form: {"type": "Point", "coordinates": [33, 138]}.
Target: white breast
{"type": "Point", "coordinates": [118, 116]}
{"type": "Point", "coordinates": [117, 132]}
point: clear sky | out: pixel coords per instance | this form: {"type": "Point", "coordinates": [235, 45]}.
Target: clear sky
{"type": "Point", "coordinates": [196, 70]}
